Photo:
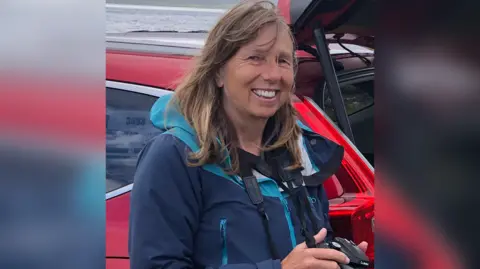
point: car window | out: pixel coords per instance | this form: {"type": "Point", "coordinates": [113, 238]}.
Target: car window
{"type": "Point", "coordinates": [356, 96]}
{"type": "Point", "coordinates": [128, 130]}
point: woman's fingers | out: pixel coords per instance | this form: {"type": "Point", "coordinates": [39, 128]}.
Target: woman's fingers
{"type": "Point", "coordinates": [363, 246]}
{"type": "Point", "coordinates": [319, 237]}
{"type": "Point", "coordinates": [324, 264]}
{"type": "Point", "coordinates": [328, 254]}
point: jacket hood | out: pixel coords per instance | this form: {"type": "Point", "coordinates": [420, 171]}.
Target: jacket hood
{"type": "Point", "coordinates": [165, 116]}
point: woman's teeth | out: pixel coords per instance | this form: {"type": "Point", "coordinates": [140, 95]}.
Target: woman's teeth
{"type": "Point", "coordinates": [265, 94]}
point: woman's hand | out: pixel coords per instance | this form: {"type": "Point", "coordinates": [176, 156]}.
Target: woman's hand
{"type": "Point", "coordinates": [303, 257]}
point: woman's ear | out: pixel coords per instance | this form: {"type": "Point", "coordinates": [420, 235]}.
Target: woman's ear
{"type": "Point", "coordinates": [219, 78]}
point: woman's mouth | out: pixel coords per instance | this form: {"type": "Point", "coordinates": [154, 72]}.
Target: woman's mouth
{"type": "Point", "coordinates": [265, 93]}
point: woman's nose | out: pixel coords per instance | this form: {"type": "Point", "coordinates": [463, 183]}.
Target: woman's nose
{"type": "Point", "coordinates": [271, 71]}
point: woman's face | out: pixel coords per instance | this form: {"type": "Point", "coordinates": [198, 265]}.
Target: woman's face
{"type": "Point", "coordinates": [258, 79]}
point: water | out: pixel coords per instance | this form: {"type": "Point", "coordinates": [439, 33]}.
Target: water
{"type": "Point", "coordinates": [159, 15]}
{"type": "Point", "coordinates": [122, 19]}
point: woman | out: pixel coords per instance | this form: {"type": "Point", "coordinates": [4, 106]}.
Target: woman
{"type": "Point", "coordinates": [201, 197]}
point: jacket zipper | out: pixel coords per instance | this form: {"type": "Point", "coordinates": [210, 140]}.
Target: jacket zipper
{"type": "Point", "coordinates": [223, 231]}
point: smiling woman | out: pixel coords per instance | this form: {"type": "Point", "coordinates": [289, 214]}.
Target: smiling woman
{"type": "Point", "coordinates": [234, 180]}
{"type": "Point", "coordinates": [257, 82]}
{"type": "Point", "coordinates": [256, 55]}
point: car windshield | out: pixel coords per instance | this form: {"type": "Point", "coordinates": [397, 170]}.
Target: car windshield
{"type": "Point", "coordinates": [164, 15]}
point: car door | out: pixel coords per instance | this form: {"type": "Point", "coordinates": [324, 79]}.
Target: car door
{"type": "Point", "coordinates": [128, 129]}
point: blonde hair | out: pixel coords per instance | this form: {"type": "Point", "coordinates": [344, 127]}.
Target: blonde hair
{"type": "Point", "coordinates": [199, 99]}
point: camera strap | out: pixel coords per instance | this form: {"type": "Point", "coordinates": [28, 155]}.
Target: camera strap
{"type": "Point", "coordinates": [292, 183]}
{"type": "Point", "coordinates": [299, 194]}
{"type": "Point", "coordinates": [256, 197]}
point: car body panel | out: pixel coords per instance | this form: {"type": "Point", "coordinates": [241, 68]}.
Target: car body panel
{"type": "Point", "coordinates": [145, 69]}
{"type": "Point", "coordinates": [118, 210]}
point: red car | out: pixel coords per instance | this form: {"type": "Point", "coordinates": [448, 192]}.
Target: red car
{"type": "Point", "coordinates": [142, 66]}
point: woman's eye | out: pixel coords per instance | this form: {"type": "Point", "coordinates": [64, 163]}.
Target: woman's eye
{"type": "Point", "coordinates": [284, 61]}
{"type": "Point", "coordinates": [255, 58]}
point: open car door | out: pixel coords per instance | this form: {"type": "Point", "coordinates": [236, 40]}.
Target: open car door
{"type": "Point", "coordinates": [312, 20]}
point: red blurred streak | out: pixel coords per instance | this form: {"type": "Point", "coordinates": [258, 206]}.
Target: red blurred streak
{"type": "Point", "coordinates": [117, 263]}
{"type": "Point", "coordinates": [400, 222]}
{"type": "Point", "coordinates": [46, 108]}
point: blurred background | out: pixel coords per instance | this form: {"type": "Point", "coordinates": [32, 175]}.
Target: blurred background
{"type": "Point", "coordinates": [52, 134]}
{"type": "Point", "coordinates": [427, 128]}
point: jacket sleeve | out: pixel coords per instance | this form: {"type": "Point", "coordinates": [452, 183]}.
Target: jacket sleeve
{"type": "Point", "coordinates": [165, 209]}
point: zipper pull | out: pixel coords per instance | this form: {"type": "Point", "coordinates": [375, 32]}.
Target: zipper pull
{"type": "Point", "coordinates": [223, 222]}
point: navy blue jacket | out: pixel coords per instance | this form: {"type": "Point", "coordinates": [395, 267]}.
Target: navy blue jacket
{"type": "Point", "coordinates": [200, 217]}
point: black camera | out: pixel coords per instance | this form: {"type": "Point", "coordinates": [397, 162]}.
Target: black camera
{"type": "Point", "coordinates": [357, 257]}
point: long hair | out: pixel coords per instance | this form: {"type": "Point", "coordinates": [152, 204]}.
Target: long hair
{"type": "Point", "coordinates": [199, 99]}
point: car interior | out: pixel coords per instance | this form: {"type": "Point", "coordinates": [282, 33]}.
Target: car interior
{"type": "Point", "coordinates": [355, 75]}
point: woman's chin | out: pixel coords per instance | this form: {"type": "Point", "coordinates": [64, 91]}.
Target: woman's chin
{"type": "Point", "coordinates": [264, 113]}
